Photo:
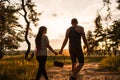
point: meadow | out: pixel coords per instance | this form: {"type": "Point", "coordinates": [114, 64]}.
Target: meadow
{"type": "Point", "coordinates": [15, 67]}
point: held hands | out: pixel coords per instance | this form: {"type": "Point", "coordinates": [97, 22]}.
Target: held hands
{"type": "Point", "coordinates": [60, 52]}
{"type": "Point", "coordinates": [55, 53]}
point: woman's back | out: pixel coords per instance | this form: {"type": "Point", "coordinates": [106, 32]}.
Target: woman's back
{"type": "Point", "coordinates": [43, 49]}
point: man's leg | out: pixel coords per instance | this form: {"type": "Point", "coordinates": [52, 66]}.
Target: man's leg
{"type": "Point", "coordinates": [73, 67]}
{"type": "Point", "coordinates": [73, 60]}
{"type": "Point", "coordinates": [80, 58]}
{"type": "Point", "coordinates": [77, 69]}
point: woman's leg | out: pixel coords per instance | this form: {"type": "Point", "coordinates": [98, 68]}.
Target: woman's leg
{"type": "Point", "coordinates": [39, 72]}
{"type": "Point", "coordinates": [41, 69]}
{"type": "Point", "coordinates": [44, 72]}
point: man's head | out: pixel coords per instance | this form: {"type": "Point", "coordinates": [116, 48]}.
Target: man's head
{"type": "Point", "coordinates": [74, 22]}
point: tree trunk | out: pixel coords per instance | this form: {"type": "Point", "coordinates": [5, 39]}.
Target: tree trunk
{"type": "Point", "coordinates": [26, 33]}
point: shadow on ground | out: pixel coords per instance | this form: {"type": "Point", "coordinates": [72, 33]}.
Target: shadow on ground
{"type": "Point", "coordinates": [89, 72]}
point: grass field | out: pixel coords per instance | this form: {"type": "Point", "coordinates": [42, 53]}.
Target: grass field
{"type": "Point", "coordinates": [17, 68]}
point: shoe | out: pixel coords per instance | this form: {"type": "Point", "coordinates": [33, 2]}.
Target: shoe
{"type": "Point", "coordinates": [72, 78]}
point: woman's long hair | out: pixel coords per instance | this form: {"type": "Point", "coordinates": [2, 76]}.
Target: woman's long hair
{"type": "Point", "coordinates": [39, 37]}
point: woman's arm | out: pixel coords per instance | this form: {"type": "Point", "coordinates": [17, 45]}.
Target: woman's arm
{"type": "Point", "coordinates": [51, 49]}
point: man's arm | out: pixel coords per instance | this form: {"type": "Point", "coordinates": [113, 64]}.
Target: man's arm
{"type": "Point", "coordinates": [64, 42]}
{"type": "Point", "coordinates": [85, 40]}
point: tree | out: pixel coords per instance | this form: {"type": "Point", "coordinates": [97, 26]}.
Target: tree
{"type": "Point", "coordinates": [100, 32]}
{"type": "Point", "coordinates": [26, 10]}
{"type": "Point", "coordinates": [30, 15]}
{"type": "Point", "coordinates": [110, 34]}
{"type": "Point", "coordinates": [118, 1]}
{"type": "Point", "coordinates": [12, 33]}
{"type": "Point", "coordinates": [91, 41]}
{"type": "Point", "coordinates": [114, 35]}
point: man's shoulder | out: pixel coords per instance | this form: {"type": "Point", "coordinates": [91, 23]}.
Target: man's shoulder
{"type": "Point", "coordinates": [80, 26]}
{"type": "Point", "coordinates": [69, 28]}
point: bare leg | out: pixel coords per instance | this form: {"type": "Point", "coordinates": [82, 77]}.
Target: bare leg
{"type": "Point", "coordinates": [73, 67]}
{"type": "Point", "coordinates": [77, 69]}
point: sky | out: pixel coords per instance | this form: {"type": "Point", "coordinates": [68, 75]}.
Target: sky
{"type": "Point", "coordinates": [57, 15]}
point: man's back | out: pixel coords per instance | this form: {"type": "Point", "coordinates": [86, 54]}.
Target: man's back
{"type": "Point", "coordinates": [74, 35]}
{"type": "Point", "coordinates": [74, 38]}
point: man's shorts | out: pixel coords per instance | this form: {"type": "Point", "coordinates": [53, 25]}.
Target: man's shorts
{"type": "Point", "coordinates": [77, 55]}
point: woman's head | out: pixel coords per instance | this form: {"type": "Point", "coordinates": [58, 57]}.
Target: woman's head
{"type": "Point", "coordinates": [42, 30]}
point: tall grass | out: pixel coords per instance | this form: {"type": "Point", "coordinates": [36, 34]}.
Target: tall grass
{"type": "Point", "coordinates": [17, 68]}
{"type": "Point", "coordinates": [111, 63]}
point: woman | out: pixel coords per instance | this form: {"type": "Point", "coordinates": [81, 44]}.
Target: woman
{"type": "Point", "coordinates": [42, 43]}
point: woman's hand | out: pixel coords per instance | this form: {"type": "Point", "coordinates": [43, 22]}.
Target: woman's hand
{"type": "Point", "coordinates": [55, 53]}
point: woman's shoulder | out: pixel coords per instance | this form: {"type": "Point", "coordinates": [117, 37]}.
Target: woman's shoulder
{"type": "Point", "coordinates": [44, 37]}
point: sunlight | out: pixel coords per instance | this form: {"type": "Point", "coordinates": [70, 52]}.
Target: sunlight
{"type": "Point", "coordinates": [57, 18]}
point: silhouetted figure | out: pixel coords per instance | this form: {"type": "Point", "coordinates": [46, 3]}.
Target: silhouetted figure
{"type": "Point", "coordinates": [1, 53]}
{"type": "Point", "coordinates": [74, 34]}
{"type": "Point", "coordinates": [42, 43]}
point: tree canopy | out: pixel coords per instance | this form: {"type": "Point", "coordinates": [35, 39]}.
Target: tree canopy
{"type": "Point", "coordinates": [106, 36]}
{"type": "Point", "coordinates": [12, 33]}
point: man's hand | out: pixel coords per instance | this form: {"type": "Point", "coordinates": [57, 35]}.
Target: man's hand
{"type": "Point", "coordinates": [88, 51]}
{"type": "Point", "coordinates": [56, 53]}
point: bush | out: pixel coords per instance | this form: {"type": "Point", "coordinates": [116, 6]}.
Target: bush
{"type": "Point", "coordinates": [110, 63]}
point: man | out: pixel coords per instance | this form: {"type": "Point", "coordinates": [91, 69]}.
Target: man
{"type": "Point", "coordinates": [74, 34]}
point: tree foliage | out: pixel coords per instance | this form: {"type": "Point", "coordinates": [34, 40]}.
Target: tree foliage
{"type": "Point", "coordinates": [91, 41]}
{"type": "Point", "coordinates": [105, 34]}
{"type": "Point", "coordinates": [26, 10]}
{"type": "Point", "coordinates": [12, 33]}
{"type": "Point", "coordinates": [30, 15]}
{"type": "Point", "coordinates": [114, 35]}
{"type": "Point", "coordinates": [118, 1]}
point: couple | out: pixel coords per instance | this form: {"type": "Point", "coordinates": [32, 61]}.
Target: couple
{"type": "Point", "coordinates": [74, 34]}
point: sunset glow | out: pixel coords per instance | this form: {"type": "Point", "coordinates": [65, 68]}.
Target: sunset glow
{"type": "Point", "coordinates": [57, 14]}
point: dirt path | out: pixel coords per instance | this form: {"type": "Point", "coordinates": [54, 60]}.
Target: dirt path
{"type": "Point", "coordinates": [89, 72]}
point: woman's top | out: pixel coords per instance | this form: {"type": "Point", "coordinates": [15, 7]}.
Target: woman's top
{"type": "Point", "coordinates": [44, 42]}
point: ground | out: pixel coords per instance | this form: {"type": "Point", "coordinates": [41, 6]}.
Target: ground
{"type": "Point", "coordinates": [89, 72]}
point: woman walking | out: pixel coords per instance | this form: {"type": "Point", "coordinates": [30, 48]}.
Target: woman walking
{"type": "Point", "coordinates": [42, 43]}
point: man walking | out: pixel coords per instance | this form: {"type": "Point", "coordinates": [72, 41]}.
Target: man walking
{"type": "Point", "coordinates": [74, 34]}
